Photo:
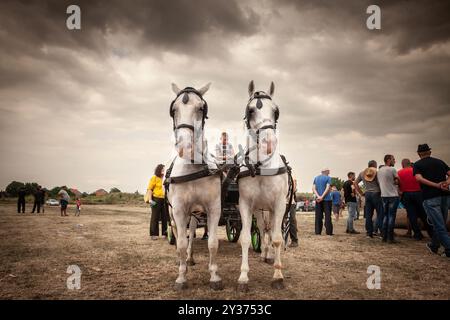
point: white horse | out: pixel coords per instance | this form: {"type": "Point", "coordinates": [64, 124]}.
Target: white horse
{"type": "Point", "coordinates": [267, 190]}
{"type": "Point", "coordinates": [193, 186]}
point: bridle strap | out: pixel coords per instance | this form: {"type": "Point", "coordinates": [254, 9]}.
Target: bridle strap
{"type": "Point", "coordinates": [257, 95]}
{"type": "Point", "coordinates": [189, 126]}
{"type": "Point", "coordinates": [185, 126]}
{"type": "Point", "coordinates": [205, 111]}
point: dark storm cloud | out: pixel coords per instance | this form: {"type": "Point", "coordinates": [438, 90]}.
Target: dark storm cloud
{"type": "Point", "coordinates": [98, 98]}
{"type": "Point", "coordinates": [410, 24]}
{"type": "Point", "coordinates": [172, 25]}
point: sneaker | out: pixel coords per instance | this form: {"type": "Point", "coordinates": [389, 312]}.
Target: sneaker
{"type": "Point", "coordinates": [354, 232]}
{"type": "Point", "coordinates": [384, 239]}
{"type": "Point", "coordinates": [293, 244]}
{"type": "Point", "coordinates": [154, 238]}
{"type": "Point", "coordinates": [346, 231]}
{"type": "Point", "coordinates": [445, 255]}
{"type": "Point", "coordinates": [392, 241]}
{"type": "Point", "coordinates": [369, 236]}
{"type": "Point", "coordinates": [432, 250]}
{"type": "Point", "coordinates": [163, 237]}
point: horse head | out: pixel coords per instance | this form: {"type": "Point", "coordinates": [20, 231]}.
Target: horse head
{"type": "Point", "coordinates": [189, 111]}
{"type": "Point", "coordinates": [261, 117]}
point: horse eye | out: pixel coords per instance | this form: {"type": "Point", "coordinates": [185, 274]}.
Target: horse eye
{"type": "Point", "coordinates": [251, 110]}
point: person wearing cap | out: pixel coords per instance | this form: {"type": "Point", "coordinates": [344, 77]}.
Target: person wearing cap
{"type": "Point", "coordinates": [372, 197]}
{"type": "Point", "coordinates": [321, 189]}
{"type": "Point", "coordinates": [434, 177]}
{"type": "Point", "coordinates": [388, 179]}
{"type": "Point", "coordinates": [412, 199]}
{"type": "Point", "coordinates": [350, 201]}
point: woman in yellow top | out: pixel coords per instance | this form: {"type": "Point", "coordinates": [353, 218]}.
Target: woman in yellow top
{"type": "Point", "coordinates": [155, 192]}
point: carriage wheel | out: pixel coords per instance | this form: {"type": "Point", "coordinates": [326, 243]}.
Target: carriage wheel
{"type": "Point", "coordinates": [256, 238]}
{"type": "Point", "coordinates": [170, 235]}
{"type": "Point", "coordinates": [233, 231]}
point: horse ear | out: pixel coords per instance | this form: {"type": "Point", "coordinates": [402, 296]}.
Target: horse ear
{"type": "Point", "coordinates": [175, 89]}
{"type": "Point", "coordinates": [251, 88]}
{"type": "Point", "coordinates": [271, 89]}
{"type": "Point", "coordinates": [204, 89]}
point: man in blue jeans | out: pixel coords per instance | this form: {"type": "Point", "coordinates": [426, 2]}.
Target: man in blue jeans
{"type": "Point", "coordinates": [388, 179]}
{"type": "Point", "coordinates": [372, 196]}
{"type": "Point", "coordinates": [350, 201]}
{"type": "Point", "coordinates": [321, 188]}
{"type": "Point", "coordinates": [434, 178]}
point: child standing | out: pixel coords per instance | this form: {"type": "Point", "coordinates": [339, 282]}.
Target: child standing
{"type": "Point", "coordinates": [78, 202]}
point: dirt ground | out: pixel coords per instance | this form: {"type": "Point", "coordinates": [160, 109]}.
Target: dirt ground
{"type": "Point", "coordinates": [118, 260]}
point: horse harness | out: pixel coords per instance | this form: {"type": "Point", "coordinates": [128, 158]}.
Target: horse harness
{"type": "Point", "coordinates": [253, 170]}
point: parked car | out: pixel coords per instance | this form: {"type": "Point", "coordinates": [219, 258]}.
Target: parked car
{"type": "Point", "coordinates": [301, 206]}
{"type": "Point", "coordinates": [52, 202]}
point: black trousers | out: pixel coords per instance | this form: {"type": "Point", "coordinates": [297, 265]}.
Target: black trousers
{"type": "Point", "coordinates": [158, 214]}
{"type": "Point", "coordinates": [323, 208]}
{"type": "Point", "coordinates": [21, 205]}
{"type": "Point", "coordinates": [293, 223]}
{"type": "Point", "coordinates": [37, 205]}
{"type": "Point", "coordinates": [414, 209]}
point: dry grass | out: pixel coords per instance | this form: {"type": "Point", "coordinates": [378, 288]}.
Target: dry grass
{"type": "Point", "coordinates": [118, 260]}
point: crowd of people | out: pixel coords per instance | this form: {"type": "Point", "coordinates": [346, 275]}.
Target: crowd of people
{"type": "Point", "coordinates": [39, 196]}
{"type": "Point", "coordinates": [422, 187]}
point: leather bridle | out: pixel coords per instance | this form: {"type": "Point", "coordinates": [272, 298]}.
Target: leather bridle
{"type": "Point", "coordinates": [185, 93]}
{"type": "Point", "coordinates": [185, 100]}
{"type": "Point", "coordinates": [259, 95]}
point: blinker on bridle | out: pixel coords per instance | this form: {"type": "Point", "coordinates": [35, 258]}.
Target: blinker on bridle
{"type": "Point", "coordinates": [259, 95]}
{"type": "Point", "coordinates": [185, 92]}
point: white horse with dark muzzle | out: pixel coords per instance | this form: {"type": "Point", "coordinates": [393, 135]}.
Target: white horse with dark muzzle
{"type": "Point", "coordinates": [193, 183]}
{"type": "Point", "coordinates": [263, 192]}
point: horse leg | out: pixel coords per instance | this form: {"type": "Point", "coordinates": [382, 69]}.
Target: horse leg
{"type": "Point", "coordinates": [181, 223]}
{"type": "Point", "coordinates": [259, 215]}
{"type": "Point", "coordinates": [246, 218]}
{"type": "Point", "coordinates": [269, 244]}
{"type": "Point", "coordinates": [215, 281]}
{"type": "Point", "coordinates": [277, 241]}
{"type": "Point", "coordinates": [190, 253]}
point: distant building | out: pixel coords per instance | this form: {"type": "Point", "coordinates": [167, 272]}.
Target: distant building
{"type": "Point", "coordinates": [101, 192]}
{"type": "Point", "coordinates": [76, 192]}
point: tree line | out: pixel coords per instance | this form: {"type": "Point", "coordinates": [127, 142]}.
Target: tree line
{"type": "Point", "coordinates": [13, 188]}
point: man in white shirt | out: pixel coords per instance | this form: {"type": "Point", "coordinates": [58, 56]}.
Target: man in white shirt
{"type": "Point", "coordinates": [388, 180]}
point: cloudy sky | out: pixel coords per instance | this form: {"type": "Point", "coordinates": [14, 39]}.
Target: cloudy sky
{"type": "Point", "coordinates": [89, 108]}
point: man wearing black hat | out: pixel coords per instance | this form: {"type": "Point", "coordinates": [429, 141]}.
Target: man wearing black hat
{"type": "Point", "coordinates": [434, 178]}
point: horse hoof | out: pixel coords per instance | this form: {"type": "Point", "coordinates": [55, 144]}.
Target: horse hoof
{"type": "Point", "coordinates": [242, 287]}
{"type": "Point", "coordinates": [216, 285]}
{"type": "Point", "coordinates": [190, 263]}
{"type": "Point", "coordinates": [270, 261]}
{"type": "Point", "coordinates": [180, 286]}
{"type": "Point", "coordinates": [277, 284]}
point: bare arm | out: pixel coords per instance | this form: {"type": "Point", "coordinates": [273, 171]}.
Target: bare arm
{"type": "Point", "coordinates": [314, 190]}
{"type": "Point", "coordinates": [327, 189]}
{"type": "Point", "coordinates": [358, 189]}
{"type": "Point", "coordinates": [427, 182]}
